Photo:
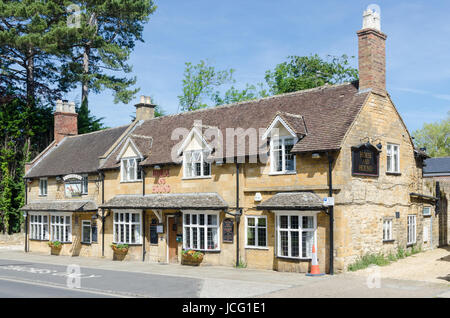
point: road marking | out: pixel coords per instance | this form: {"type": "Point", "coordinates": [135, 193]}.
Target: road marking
{"type": "Point", "coordinates": [52, 285]}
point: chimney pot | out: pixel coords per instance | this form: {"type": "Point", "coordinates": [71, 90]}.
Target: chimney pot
{"type": "Point", "coordinates": [66, 120]}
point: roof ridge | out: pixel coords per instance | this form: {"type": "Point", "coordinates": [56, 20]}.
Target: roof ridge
{"type": "Point", "coordinates": [300, 92]}
{"type": "Point", "coordinates": [98, 131]}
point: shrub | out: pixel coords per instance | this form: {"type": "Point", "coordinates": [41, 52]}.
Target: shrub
{"type": "Point", "coordinates": [55, 244]}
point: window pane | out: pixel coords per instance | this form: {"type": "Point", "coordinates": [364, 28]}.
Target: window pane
{"type": "Point", "coordinates": [283, 222]}
{"type": "Point", "coordinates": [251, 221]}
{"type": "Point", "coordinates": [212, 238]}
{"type": "Point", "coordinates": [294, 222]}
{"type": "Point", "coordinates": [251, 241]}
{"type": "Point", "coordinates": [308, 222]}
{"type": "Point", "coordinates": [294, 244]}
{"type": "Point", "coordinates": [212, 219]}
{"type": "Point", "coordinates": [202, 219]}
{"type": "Point", "coordinates": [94, 233]}
{"type": "Point", "coordinates": [202, 238]}
{"type": "Point", "coordinates": [261, 237]}
{"type": "Point", "coordinates": [284, 243]}
{"type": "Point", "coordinates": [307, 242]}
{"type": "Point", "coordinates": [187, 219]}
{"type": "Point", "coordinates": [194, 238]}
{"type": "Point", "coordinates": [262, 222]}
{"type": "Point", "coordinates": [289, 158]}
{"type": "Point", "coordinates": [194, 219]}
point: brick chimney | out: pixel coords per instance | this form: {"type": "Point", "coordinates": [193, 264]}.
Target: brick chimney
{"type": "Point", "coordinates": [372, 53]}
{"type": "Point", "coordinates": [145, 110]}
{"type": "Point", "coordinates": [66, 120]}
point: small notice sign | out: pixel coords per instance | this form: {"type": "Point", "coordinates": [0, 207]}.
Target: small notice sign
{"type": "Point", "coordinates": [228, 230]}
{"type": "Point", "coordinates": [328, 201]}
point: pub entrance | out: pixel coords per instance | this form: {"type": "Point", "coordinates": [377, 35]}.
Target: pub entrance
{"type": "Point", "coordinates": [172, 244]}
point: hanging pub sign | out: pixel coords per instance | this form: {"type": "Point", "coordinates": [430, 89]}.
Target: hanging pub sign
{"type": "Point", "coordinates": [365, 160]}
{"type": "Point", "coordinates": [228, 230]}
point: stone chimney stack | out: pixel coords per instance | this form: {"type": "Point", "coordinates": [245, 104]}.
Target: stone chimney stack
{"type": "Point", "coordinates": [372, 53]}
{"type": "Point", "coordinates": [66, 120]}
{"type": "Point", "coordinates": [145, 110]}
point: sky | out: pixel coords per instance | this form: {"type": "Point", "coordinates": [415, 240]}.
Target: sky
{"type": "Point", "coordinates": [253, 36]}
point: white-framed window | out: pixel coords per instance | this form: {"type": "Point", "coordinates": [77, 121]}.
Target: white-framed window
{"type": "Point", "coordinates": [296, 234]}
{"type": "Point", "coordinates": [201, 231]}
{"type": "Point", "coordinates": [127, 227]}
{"type": "Point", "coordinates": [85, 184]}
{"type": "Point", "coordinates": [411, 239]}
{"type": "Point", "coordinates": [131, 170]}
{"type": "Point", "coordinates": [256, 231]}
{"type": "Point", "coordinates": [393, 158]}
{"type": "Point", "coordinates": [196, 164]}
{"type": "Point", "coordinates": [387, 230]}
{"type": "Point", "coordinates": [61, 228]}
{"type": "Point", "coordinates": [39, 227]}
{"type": "Point", "coordinates": [86, 236]}
{"type": "Point", "coordinates": [426, 210]}
{"type": "Point", "coordinates": [282, 161]}
{"type": "Point", "coordinates": [426, 232]}
{"type": "Point", "coordinates": [43, 183]}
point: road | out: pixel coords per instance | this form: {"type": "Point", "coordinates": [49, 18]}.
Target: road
{"type": "Point", "coordinates": [27, 275]}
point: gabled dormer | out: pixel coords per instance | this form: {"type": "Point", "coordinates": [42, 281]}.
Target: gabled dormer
{"type": "Point", "coordinates": [284, 132]}
{"type": "Point", "coordinates": [130, 157]}
{"type": "Point", "coordinates": [196, 155]}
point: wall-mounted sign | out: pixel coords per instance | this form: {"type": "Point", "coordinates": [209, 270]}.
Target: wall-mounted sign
{"type": "Point", "coordinates": [365, 160]}
{"type": "Point", "coordinates": [161, 173]}
{"type": "Point", "coordinates": [329, 201]}
{"type": "Point", "coordinates": [160, 228]}
{"type": "Point", "coordinates": [161, 187]}
{"type": "Point", "coordinates": [72, 177]}
{"type": "Point", "coordinates": [72, 189]}
{"type": "Point", "coordinates": [258, 197]}
{"type": "Point", "coordinates": [228, 230]}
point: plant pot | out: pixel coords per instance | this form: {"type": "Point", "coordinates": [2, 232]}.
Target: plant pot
{"type": "Point", "coordinates": [119, 253]}
{"type": "Point", "coordinates": [191, 261]}
{"type": "Point", "coordinates": [55, 250]}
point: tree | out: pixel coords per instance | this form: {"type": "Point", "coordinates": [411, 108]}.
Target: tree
{"type": "Point", "coordinates": [86, 122]}
{"type": "Point", "coordinates": [435, 137]}
{"type": "Point", "coordinates": [304, 72]}
{"type": "Point", "coordinates": [234, 95]}
{"type": "Point", "coordinates": [108, 31]}
{"type": "Point", "coordinates": [199, 82]}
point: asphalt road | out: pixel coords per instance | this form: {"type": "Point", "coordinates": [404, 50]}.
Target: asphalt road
{"type": "Point", "coordinates": [106, 282]}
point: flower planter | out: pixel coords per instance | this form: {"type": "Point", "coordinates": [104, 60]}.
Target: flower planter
{"type": "Point", "coordinates": [55, 249]}
{"type": "Point", "coordinates": [119, 253]}
{"type": "Point", "coordinates": [191, 258]}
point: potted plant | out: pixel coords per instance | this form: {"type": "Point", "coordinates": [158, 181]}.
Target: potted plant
{"type": "Point", "coordinates": [55, 247]}
{"type": "Point", "coordinates": [120, 251]}
{"type": "Point", "coordinates": [191, 257]}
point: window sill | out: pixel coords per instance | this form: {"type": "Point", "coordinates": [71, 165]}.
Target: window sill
{"type": "Point", "coordinates": [204, 251]}
{"type": "Point", "coordinates": [393, 173]}
{"type": "Point", "coordinates": [294, 258]}
{"type": "Point", "coordinates": [38, 240]}
{"type": "Point", "coordinates": [282, 173]}
{"type": "Point", "coordinates": [134, 181]}
{"type": "Point", "coordinates": [411, 244]}
{"type": "Point", "coordinates": [43, 195]}
{"type": "Point", "coordinates": [196, 178]}
{"type": "Point", "coordinates": [388, 241]}
{"type": "Point", "coordinates": [257, 248]}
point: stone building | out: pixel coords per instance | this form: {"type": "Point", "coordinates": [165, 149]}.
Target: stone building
{"type": "Point", "coordinates": [244, 182]}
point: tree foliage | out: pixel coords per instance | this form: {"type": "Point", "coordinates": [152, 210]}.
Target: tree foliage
{"type": "Point", "coordinates": [435, 137]}
{"type": "Point", "coordinates": [304, 72]}
{"type": "Point", "coordinates": [86, 121]}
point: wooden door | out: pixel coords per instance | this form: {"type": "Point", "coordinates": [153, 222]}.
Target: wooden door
{"type": "Point", "coordinates": [173, 245]}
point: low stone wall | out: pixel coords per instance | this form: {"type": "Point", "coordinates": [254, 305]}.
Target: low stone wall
{"type": "Point", "coordinates": [13, 239]}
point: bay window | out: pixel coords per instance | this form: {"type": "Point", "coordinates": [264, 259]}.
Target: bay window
{"type": "Point", "coordinates": [127, 228]}
{"type": "Point", "coordinates": [393, 158]}
{"type": "Point", "coordinates": [39, 227]}
{"type": "Point", "coordinates": [256, 231]}
{"type": "Point", "coordinates": [131, 170]}
{"type": "Point", "coordinates": [295, 235]}
{"type": "Point", "coordinates": [201, 231]}
{"type": "Point", "coordinates": [196, 165]}
{"type": "Point", "coordinates": [282, 161]}
{"type": "Point", "coordinates": [61, 226]}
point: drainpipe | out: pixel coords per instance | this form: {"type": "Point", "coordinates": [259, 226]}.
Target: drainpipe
{"type": "Point", "coordinates": [143, 217]}
{"type": "Point", "coordinates": [102, 176]}
{"type": "Point", "coordinates": [26, 216]}
{"type": "Point", "coordinates": [331, 211]}
{"type": "Point", "coordinates": [237, 215]}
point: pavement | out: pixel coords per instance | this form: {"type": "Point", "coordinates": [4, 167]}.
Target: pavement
{"type": "Point", "coordinates": [138, 279]}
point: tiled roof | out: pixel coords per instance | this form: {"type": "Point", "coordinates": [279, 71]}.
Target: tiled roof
{"type": "Point", "coordinates": [61, 206]}
{"type": "Point", "coordinates": [437, 165]}
{"type": "Point", "coordinates": [76, 154]}
{"type": "Point", "coordinates": [292, 201]}
{"type": "Point", "coordinates": [167, 201]}
{"type": "Point", "coordinates": [328, 112]}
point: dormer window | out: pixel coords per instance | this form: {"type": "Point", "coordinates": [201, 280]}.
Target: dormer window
{"type": "Point", "coordinates": [282, 161]}
{"type": "Point", "coordinates": [131, 170]}
{"type": "Point", "coordinates": [196, 165]}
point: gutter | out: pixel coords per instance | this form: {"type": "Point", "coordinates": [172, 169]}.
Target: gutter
{"type": "Point", "coordinates": [331, 211]}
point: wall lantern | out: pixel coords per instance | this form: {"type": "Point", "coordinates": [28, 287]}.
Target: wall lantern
{"type": "Point", "coordinates": [157, 167]}
{"type": "Point", "coordinates": [379, 146]}
{"type": "Point", "coordinates": [95, 217]}
{"type": "Point", "coordinates": [316, 155]}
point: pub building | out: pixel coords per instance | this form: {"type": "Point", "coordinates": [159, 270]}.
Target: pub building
{"type": "Point", "coordinates": [202, 181]}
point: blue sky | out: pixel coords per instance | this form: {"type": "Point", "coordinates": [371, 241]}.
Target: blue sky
{"type": "Point", "coordinates": [253, 36]}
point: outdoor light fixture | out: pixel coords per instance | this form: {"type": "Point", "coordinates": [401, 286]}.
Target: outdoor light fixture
{"type": "Point", "coordinates": [25, 214]}
{"type": "Point", "coordinates": [95, 217]}
{"type": "Point", "coordinates": [316, 155]}
{"type": "Point", "coordinates": [157, 167]}
{"type": "Point", "coordinates": [379, 146]}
